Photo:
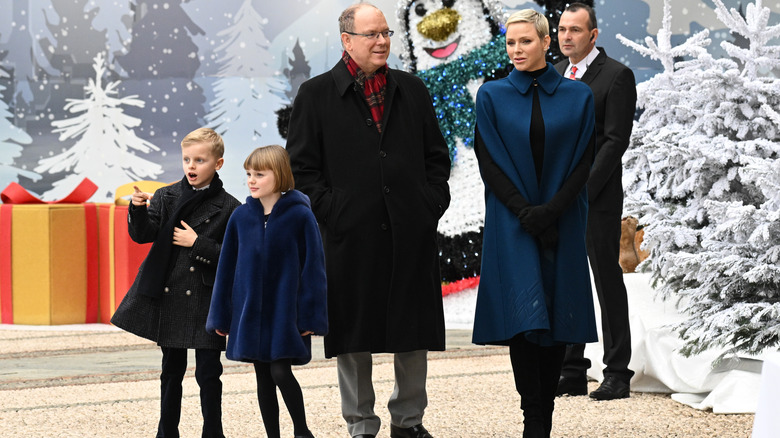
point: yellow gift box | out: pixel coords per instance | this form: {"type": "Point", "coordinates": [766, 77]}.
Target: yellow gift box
{"type": "Point", "coordinates": [48, 259]}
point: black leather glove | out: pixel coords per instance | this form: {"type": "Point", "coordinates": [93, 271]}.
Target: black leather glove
{"type": "Point", "coordinates": [548, 239]}
{"type": "Point", "coordinates": [537, 219]}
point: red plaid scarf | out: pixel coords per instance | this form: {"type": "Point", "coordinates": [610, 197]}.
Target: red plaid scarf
{"type": "Point", "coordinates": [374, 87]}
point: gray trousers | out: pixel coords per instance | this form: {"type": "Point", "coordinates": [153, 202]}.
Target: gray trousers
{"type": "Point", "coordinates": [406, 404]}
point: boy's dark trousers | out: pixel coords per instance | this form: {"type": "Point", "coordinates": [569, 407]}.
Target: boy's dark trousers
{"type": "Point", "coordinates": [208, 370]}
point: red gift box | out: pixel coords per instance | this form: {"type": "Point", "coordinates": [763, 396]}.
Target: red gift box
{"type": "Point", "coordinates": [120, 257]}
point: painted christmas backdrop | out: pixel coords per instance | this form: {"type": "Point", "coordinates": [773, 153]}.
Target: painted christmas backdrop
{"type": "Point", "coordinates": [175, 65]}
{"type": "Point", "coordinates": [107, 89]}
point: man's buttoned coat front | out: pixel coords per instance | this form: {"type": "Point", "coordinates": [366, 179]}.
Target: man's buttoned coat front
{"type": "Point", "coordinates": [377, 198]}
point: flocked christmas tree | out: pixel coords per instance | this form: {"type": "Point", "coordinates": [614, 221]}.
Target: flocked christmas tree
{"type": "Point", "coordinates": [703, 173]}
{"type": "Point", "coordinates": [247, 92]}
{"type": "Point", "coordinates": [105, 142]}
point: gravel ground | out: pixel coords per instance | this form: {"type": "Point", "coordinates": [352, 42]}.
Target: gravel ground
{"type": "Point", "coordinates": [471, 393]}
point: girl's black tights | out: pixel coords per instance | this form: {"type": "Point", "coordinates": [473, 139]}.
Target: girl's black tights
{"type": "Point", "coordinates": [271, 375]}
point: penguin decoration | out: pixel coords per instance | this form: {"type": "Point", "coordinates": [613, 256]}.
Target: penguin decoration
{"type": "Point", "coordinates": [454, 46]}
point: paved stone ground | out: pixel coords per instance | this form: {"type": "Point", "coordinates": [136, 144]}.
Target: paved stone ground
{"type": "Point", "coordinates": [98, 381]}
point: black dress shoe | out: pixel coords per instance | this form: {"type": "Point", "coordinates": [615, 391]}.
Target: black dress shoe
{"type": "Point", "coordinates": [409, 432]}
{"type": "Point", "coordinates": [572, 386]}
{"type": "Point", "coordinates": [611, 388]}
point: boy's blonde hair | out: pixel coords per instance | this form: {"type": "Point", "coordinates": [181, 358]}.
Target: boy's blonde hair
{"type": "Point", "coordinates": [276, 159]}
{"type": "Point", "coordinates": [530, 16]}
{"type": "Point", "coordinates": [206, 135]}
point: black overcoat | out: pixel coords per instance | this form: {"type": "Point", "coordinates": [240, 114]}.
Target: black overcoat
{"type": "Point", "coordinates": [378, 199]}
{"type": "Point", "coordinates": [178, 318]}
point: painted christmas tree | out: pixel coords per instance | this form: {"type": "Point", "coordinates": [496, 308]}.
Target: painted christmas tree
{"type": "Point", "coordinates": [247, 93]}
{"type": "Point", "coordinates": [75, 41]}
{"type": "Point", "coordinates": [704, 174]}
{"type": "Point", "coordinates": [161, 63]}
{"type": "Point", "coordinates": [29, 67]}
{"type": "Point", "coordinates": [11, 139]}
{"type": "Point", "coordinates": [105, 142]}
{"type": "Point", "coordinates": [298, 72]}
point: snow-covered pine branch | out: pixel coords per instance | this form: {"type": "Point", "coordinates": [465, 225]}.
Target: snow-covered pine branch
{"type": "Point", "coordinates": [662, 50]}
{"type": "Point", "coordinates": [755, 28]}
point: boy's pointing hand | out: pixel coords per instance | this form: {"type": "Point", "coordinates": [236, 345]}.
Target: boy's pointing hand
{"type": "Point", "coordinates": [139, 197]}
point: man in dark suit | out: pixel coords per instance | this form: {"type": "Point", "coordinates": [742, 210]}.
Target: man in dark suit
{"type": "Point", "coordinates": [614, 91]}
{"type": "Point", "coordinates": [365, 146]}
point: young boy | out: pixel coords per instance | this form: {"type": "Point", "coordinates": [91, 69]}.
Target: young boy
{"type": "Point", "coordinates": [169, 301]}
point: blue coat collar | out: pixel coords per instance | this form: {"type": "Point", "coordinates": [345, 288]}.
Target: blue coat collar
{"type": "Point", "coordinates": [548, 81]}
{"type": "Point", "coordinates": [288, 200]}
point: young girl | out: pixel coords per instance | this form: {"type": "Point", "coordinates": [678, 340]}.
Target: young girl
{"type": "Point", "coordinates": [269, 295]}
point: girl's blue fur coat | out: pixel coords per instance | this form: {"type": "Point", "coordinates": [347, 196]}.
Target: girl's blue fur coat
{"type": "Point", "coordinates": [270, 284]}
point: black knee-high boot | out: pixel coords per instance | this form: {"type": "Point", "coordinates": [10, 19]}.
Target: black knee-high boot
{"type": "Point", "coordinates": [536, 370]}
{"type": "Point", "coordinates": [549, 373]}
{"type": "Point", "coordinates": [525, 357]}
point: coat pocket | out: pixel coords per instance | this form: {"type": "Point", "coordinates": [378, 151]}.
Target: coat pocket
{"type": "Point", "coordinates": [335, 211]}
{"type": "Point", "coordinates": [435, 207]}
{"type": "Point", "coordinates": [208, 277]}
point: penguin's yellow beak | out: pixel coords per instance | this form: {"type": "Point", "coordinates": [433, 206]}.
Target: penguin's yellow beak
{"type": "Point", "coordinates": [439, 25]}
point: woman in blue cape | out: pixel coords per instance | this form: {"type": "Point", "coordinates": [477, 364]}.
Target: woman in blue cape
{"type": "Point", "coordinates": [535, 144]}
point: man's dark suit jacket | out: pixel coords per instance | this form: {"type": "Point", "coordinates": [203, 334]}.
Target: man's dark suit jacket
{"type": "Point", "coordinates": [614, 94]}
{"type": "Point", "coordinates": [610, 82]}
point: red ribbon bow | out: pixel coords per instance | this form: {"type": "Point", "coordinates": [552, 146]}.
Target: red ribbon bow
{"type": "Point", "coordinates": [16, 194]}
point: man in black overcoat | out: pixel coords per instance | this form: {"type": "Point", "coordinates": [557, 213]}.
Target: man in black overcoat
{"type": "Point", "coordinates": [614, 92]}
{"type": "Point", "coordinates": [365, 146]}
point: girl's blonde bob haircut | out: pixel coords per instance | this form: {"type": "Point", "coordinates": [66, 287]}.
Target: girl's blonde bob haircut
{"type": "Point", "coordinates": [275, 159]}
{"type": "Point", "coordinates": [530, 16]}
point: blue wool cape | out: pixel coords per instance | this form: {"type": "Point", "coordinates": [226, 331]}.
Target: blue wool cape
{"type": "Point", "coordinates": [512, 298]}
{"type": "Point", "coordinates": [270, 285]}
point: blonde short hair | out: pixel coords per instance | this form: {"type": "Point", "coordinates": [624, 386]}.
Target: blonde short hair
{"type": "Point", "coordinates": [530, 16]}
{"type": "Point", "coordinates": [206, 135]}
{"type": "Point", "coordinates": [276, 159]}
